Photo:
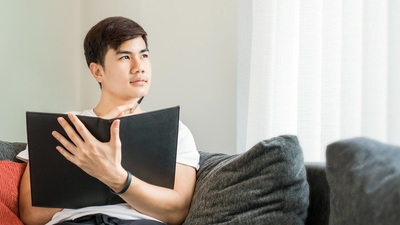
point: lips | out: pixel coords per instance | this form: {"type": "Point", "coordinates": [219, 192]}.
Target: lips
{"type": "Point", "coordinates": [138, 80]}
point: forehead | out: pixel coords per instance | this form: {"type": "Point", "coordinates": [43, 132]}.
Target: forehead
{"type": "Point", "coordinates": [134, 45]}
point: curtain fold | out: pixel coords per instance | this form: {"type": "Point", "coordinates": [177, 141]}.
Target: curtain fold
{"type": "Point", "coordinates": [324, 71]}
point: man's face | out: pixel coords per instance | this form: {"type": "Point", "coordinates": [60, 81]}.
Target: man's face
{"type": "Point", "coordinates": [127, 71]}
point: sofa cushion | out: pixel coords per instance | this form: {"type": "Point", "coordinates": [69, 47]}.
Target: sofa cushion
{"type": "Point", "coordinates": [265, 185]}
{"type": "Point", "coordinates": [8, 150]}
{"type": "Point", "coordinates": [10, 176]}
{"type": "Point", "coordinates": [364, 177]}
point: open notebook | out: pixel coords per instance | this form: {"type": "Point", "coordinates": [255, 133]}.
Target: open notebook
{"type": "Point", "coordinates": [149, 144]}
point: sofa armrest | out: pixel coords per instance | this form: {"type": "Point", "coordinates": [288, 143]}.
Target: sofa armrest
{"type": "Point", "coordinates": [319, 209]}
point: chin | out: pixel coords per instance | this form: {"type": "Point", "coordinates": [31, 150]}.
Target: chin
{"type": "Point", "coordinates": [139, 95]}
{"type": "Point", "coordinates": [139, 92]}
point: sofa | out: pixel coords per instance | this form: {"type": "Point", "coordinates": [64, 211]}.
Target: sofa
{"type": "Point", "coordinates": [271, 184]}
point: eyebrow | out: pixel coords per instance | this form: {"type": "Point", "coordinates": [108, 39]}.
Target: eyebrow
{"type": "Point", "coordinates": [129, 52]}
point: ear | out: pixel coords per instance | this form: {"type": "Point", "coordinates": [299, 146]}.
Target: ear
{"type": "Point", "coordinates": [97, 71]}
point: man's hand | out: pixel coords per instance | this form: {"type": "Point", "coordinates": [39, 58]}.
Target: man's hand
{"type": "Point", "coordinates": [98, 159]}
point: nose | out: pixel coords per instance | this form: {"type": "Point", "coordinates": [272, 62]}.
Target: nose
{"type": "Point", "coordinates": [137, 66]}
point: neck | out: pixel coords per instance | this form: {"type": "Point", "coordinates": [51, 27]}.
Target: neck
{"type": "Point", "coordinates": [107, 106]}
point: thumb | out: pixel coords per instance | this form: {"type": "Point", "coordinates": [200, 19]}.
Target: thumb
{"type": "Point", "coordinates": [114, 131]}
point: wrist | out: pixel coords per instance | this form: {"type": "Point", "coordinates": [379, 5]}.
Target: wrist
{"type": "Point", "coordinates": [126, 186]}
{"type": "Point", "coordinates": [117, 181]}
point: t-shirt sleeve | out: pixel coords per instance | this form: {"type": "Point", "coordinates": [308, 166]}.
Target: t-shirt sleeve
{"type": "Point", "coordinates": [187, 153]}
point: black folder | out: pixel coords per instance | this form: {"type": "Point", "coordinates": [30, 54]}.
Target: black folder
{"type": "Point", "coordinates": [149, 144]}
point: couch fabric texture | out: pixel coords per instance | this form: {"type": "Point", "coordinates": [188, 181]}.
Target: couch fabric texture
{"type": "Point", "coordinates": [265, 185]}
{"type": "Point", "coordinates": [319, 207]}
{"type": "Point", "coordinates": [10, 175]}
{"type": "Point", "coordinates": [8, 150]}
{"type": "Point", "coordinates": [364, 177]}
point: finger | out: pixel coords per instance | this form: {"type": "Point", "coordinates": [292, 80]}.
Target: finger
{"type": "Point", "coordinates": [114, 132]}
{"type": "Point", "coordinates": [118, 112]}
{"type": "Point", "coordinates": [67, 144]}
{"type": "Point", "coordinates": [75, 138]}
{"type": "Point", "coordinates": [80, 127]}
{"type": "Point", "coordinates": [125, 108]}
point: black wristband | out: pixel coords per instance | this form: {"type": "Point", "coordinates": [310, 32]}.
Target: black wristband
{"type": "Point", "coordinates": [128, 183]}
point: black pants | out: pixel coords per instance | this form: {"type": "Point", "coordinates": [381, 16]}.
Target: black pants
{"type": "Point", "coordinates": [101, 219]}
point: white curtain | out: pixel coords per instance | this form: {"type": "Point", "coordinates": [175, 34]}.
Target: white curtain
{"type": "Point", "coordinates": [324, 70]}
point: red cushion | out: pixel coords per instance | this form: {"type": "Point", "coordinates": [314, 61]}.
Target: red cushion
{"type": "Point", "coordinates": [10, 177]}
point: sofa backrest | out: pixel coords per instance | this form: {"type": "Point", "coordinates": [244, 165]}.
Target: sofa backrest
{"type": "Point", "coordinates": [8, 150]}
{"type": "Point", "coordinates": [319, 209]}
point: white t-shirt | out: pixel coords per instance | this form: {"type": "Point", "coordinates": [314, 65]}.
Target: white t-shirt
{"type": "Point", "coordinates": [187, 154]}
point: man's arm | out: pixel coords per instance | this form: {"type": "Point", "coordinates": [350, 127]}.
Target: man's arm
{"type": "Point", "coordinates": [28, 213]}
{"type": "Point", "coordinates": [169, 206]}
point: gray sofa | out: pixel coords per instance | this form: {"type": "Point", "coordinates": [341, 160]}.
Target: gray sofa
{"type": "Point", "coordinates": [318, 209]}
{"type": "Point", "coordinates": [358, 184]}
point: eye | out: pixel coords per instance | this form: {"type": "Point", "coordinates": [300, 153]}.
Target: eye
{"type": "Point", "coordinates": [125, 57]}
{"type": "Point", "coordinates": [145, 56]}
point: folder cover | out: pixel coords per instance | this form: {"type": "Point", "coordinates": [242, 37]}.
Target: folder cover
{"type": "Point", "coordinates": [149, 145]}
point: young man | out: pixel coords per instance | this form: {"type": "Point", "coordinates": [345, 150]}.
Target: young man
{"type": "Point", "coordinates": [118, 58]}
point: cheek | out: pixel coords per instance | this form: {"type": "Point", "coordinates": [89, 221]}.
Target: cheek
{"type": "Point", "coordinates": [149, 67]}
{"type": "Point", "coordinates": [149, 83]}
{"type": "Point", "coordinates": [149, 73]}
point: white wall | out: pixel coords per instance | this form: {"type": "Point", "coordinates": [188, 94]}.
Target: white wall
{"type": "Point", "coordinates": [38, 67]}
{"type": "Point", "coordinates": [193, 46]}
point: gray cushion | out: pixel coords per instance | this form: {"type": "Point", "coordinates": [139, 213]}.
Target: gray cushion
{"type": "Point", "coordinates": [8, 150]}
{"type": "Point", "coordinates": [364, 177]}
{"type": "Point", "coordinates": [265, 185]}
